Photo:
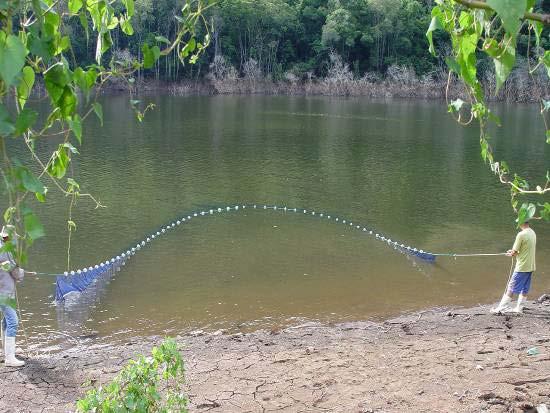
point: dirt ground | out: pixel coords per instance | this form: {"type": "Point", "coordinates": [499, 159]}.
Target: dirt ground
{"type": "Point", "coordinates": [463, 360]}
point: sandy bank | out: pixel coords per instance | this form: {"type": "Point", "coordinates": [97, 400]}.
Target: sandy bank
{"type": "Point", "coordinates": [434, 361]}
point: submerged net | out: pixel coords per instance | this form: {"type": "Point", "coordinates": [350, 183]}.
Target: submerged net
{"type": "Point", "coordinates": [70, 286]}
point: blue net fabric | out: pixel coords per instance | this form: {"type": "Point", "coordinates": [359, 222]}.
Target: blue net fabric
{"type": "Point", "coordinates": [66, 284]}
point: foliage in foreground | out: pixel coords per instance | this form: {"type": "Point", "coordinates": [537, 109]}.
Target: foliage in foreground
{"type": "Point", "coordinates": [136, 388]}
{"type": "Point", "coordinates": [36, 48]}
{"type": "Point", "coordinates": [492, 28]}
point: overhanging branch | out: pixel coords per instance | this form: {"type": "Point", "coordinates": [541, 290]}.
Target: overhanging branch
{"type": "Point", "coordinates": [480, 4]}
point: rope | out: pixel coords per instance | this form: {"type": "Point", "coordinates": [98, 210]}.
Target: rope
{"type": "Point", "coordinates": [469, 255]}
{"type": "Point", "coordinates": [509, 276]}
{"type": "Point", "coordinates": [26, 350]}
{"type": "Point", "coordinates": [40, 273]}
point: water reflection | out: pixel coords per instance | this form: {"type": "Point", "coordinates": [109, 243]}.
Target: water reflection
{"type": "Point", "coordinates": [404, 168]}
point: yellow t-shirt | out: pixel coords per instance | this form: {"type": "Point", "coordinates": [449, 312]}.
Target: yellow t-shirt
{"type": "Point", "coordinates": [525, 245]}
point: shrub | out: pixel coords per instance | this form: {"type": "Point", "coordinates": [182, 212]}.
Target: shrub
{"type": "Point", "coordinates": [136, 387]}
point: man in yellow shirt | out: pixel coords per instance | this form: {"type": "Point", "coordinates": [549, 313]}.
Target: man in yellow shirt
{"type": "Point", "coordinates": [524, 251]}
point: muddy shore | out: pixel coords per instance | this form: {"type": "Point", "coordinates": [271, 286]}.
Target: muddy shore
{"type": "Point", "coordinates": [442, 360]}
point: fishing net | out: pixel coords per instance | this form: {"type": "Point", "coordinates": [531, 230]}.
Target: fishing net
{"type": "Point", "coordinates": [85, 285]}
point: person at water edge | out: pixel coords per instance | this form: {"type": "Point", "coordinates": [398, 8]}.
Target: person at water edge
{"type": "Point", "coordinates": [10, 273]}
{"type": "Point", "coordinates": [524, 250]}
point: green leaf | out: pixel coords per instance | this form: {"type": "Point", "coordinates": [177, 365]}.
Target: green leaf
{"type": "Point", "coordinates": [59, 162]}
{"type": "Point", "coordinates": [435, 24]}
{"type": "Point", "coordinates": [63, 44]}
{"type": "Point", "coordinates": [130, 7]}
{"type": "Point", "coordinates": [26, 118]}
{"type": "Point", "coordinates": [91, 77]}
{"type": "Point", "coordinates": [75, 6]}
{"type": "Point", "coordinates": [504, 66]}
{"type": "Point", "coordinates": [9, 213]}
{"type": "Point", "coordinates": [76, 126]}
{"type": "Point", "coordinates": [33, 227]}
{"type": "Point", "coordinates": [41, 46]}
{"type": "Point", "coordinates": [12, 57]}
{"type": "Point", "coordinates": [25, 86]}
{"type": "Point", "coordinates": [73, 185]}
{"type": "Point", "coordinates": [465, 20]}
{"type": "Point", "coordinates": [113, 23]}
{"type": "Point", "coordinates": [85, 80]}
{"type": "Point", "coordinates": [484, 149]}
{"type": "Point", "coordinates": [453, 65]}
{"type": "Point", "coordinates": [79, 76]}
{"type": "Point", "coordinates": [84, 23]}
{"type": "Point", "coordinates": [545, 211]}
{"type": "Point", "coordinates": [55, 80]}
{"type": "Point", "coordinates": [148, 56]}
{"type": "Point", "coordinates": [106, 42]}
{"type": "Point", "coordinates": [67, 102]}
{"type": "Point", "coordinates": [504, 57]}
{"type": "Point", "coordinates": [548, 136]}
{"type": "Point", "coordinates": [546, 61]}
{"type": "Point", "coordinates": [126, 26]}
{"type": "Point", "coordinates": [6, 124]}
{"type": "Point", "coordinates": [511, 12]}
{"type": "Point", "coordinates": [189, 47]}
{"type": "Point", "coordinates": [466, 58]}
{"type": "Point", "coordinates": [51, 22]}
{"type": "Point", "coordinates": [29, 181]}
{"type": "Point", "coordinates": [525, 213]}
{"type": "Point", "coordinates": [98, 109]}
{"type": "Point", "coordinates": [40, 197]}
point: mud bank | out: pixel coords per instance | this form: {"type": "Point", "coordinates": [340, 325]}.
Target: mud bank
{"type": "Point", "coordinates": [463, 360]}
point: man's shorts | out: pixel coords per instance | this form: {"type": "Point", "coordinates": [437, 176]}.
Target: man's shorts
{"type": "Point", "coordinates": [520, 282]}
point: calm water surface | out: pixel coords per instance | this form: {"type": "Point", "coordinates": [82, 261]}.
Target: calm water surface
{"type": "Point", "coordinates": [403, 167]}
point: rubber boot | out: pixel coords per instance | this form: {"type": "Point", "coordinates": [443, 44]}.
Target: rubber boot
{"type": "Point", "coordinates": [519, 306]}
{"type": "Point", "coordinates": [503, 305]}
{"type": "Point", "coordinates": [10, 360]}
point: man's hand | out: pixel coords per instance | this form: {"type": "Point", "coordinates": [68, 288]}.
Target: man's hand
{"type": "Point", "coordinates": [511, 253]}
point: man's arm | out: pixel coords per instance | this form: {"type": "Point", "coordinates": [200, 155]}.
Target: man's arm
{"type": "Point", "coordinates": [515, 248]}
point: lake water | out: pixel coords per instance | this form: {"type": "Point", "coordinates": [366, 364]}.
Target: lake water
{"type": "Point", "coordinates": [403, 167]}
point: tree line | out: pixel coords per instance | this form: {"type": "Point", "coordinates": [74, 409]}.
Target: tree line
{"type": "Point", "coordinates": [281, 38]}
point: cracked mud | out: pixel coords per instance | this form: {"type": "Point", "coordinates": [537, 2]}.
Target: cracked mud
{"type": "Point", "coordinates": [434, 361]}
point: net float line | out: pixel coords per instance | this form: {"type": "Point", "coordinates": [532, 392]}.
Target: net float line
{"type": "Point", "coordinates": [78, 281]}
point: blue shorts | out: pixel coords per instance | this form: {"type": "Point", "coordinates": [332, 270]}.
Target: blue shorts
{"type": "Point", "coordinates": [520, 282]}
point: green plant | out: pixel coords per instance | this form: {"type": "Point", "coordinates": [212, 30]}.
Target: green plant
{"type": "Point", "coordinates": [136, 388]}
{"type": "Point", "coordinates": [492, 28]}
{"type": "Point", "coordinates": [36, 48]}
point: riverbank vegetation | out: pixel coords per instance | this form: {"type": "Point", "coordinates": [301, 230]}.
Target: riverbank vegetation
{"type": "Point", "coordinates": [329, 47]}
{"type": "Point", "coordinates": [493, 30]}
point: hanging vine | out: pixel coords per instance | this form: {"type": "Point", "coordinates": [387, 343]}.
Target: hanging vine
{"type": "Point", "coordinates": [35, 51]}
{"type": "Point", "coordinates": [492, 28]}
